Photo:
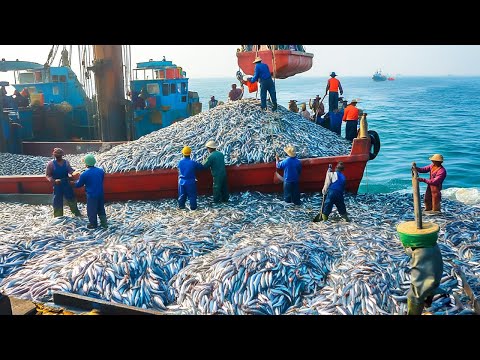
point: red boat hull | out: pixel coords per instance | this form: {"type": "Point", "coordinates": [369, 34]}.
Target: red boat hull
{"type": "Point", "coordinates": [158, 184]}
{"type": "Point", "coordinates": [288, 62]}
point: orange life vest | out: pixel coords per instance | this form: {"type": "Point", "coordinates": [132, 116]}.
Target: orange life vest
{"type": "Point", "coordinates": [334, 83]}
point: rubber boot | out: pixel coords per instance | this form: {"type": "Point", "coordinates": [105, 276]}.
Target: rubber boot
{"type": "Point", "coordinates": [428, 301]}
{"type": "Point", "coordinates": [74, 208]}
{"type": "Point", "coordinates": [324, 217]}
{"type": "Point", "coordinates": [57, 212]}
{"type": "Point", "coordinates": [345, 217]}
{"type": "Point", "coordinates": [103, 221]}
{"type": "Point", "coordinates": [414, 309]}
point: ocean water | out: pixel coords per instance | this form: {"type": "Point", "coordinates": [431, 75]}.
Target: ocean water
{"type": "Point", "coordinates": [415, 117]}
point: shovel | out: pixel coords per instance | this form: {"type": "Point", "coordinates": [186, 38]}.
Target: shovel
{"type": "Point", "coordinates": [319, 215]}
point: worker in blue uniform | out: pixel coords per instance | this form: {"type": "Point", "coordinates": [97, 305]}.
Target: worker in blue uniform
{"type": "Point", "coordinates": [57, 172]}
{"type": "Point", "coordinates": [92, 179]}
{"type": "Point", "coordinates": [187, 183]}
{"type": "Point", "coordinates": [292, 168]}
{"type": "Point", "coordinates": [262, 73]}
{"type": "Point", "coordinates": [333, 189]}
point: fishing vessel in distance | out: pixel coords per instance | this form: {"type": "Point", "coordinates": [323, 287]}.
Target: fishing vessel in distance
{"type": "Point", "coordinates": [378, 76]}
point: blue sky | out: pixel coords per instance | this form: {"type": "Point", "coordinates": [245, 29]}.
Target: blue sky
{"type": "Point", "coordinates": [346, 60]}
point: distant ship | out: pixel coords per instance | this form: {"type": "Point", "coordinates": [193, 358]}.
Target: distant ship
{"type": "Point", "coordinates": [378, 76]}
{"type": "Point", "coordinates": [391, 78]}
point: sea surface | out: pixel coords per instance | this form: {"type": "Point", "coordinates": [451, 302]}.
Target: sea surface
{"type": "Point", "coordinates": [415, 117]}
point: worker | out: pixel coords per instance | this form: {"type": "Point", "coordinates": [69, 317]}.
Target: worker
{"type": "Point", "coordinates": [92, 179]}
{"type": "Point", "coordinates": [333, 86]}
{"type": "Point", "coordinates": [433, 195]}
{"type": "Point", "coordinates": [425, 275]}
{"type": "Point", "coordinates": [318, 109]}
{"type": "Point", "coordinates": [292, 106]}
{"type": "Point", "coordinates": [25, 93]}
{"type": "Point", "coordinates": [3, 98]}
{"type": "Point", "coordinates": [216, 163]}
{"type": "Point", "coordinates": [292, 168]}
{"type": "Point", "coordinates": [139, 101]}
{"type": "Point", "coordinates": [187, 183]}
{"type": "Point", "coordinates": [212, 103]}
{"type": "Point", "coordinates": [20, 100]}
{"type": "Point", "coordinates": [305, 113]}
{"type": "Point", "coordinates": [57, 172]}
{"type": "Point", "coordinates": [262, 74]}
{"type": "Point", "coordinates": [350, 116]}
{"type": "Point", "coordinates": [235, 94]}
{"type": "Point", "coordinates": [333, 190]}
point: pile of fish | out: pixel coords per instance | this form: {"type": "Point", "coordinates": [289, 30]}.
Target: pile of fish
{"type": "Point", "coordinates": [257, 277]}
{"type": "Point", "coordinates": [17, 164]}
{"type": "Point", "coordinates": [244, 133]}
{"type": "Point", "coordinates": [253, 255]}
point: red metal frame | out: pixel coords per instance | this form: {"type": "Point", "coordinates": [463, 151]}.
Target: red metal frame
{"type": "Point", "coordinates": [163, 183]}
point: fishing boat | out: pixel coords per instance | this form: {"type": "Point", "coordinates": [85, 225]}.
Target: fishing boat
{"type": "Point", "coordinates": [59, 107]}
{"type": "Point", "coordinates": [61, 112]}
{"type": "Point", "coordinates": [378, 76]}
{"type": "Point", "coordinates": [391, 78]}
{"type": "Point", "coordinates": [283, 60]}
{"type": "Point", "coordinates": [163, 183]}
{"type": "Point", "coordinates": [160, 97]}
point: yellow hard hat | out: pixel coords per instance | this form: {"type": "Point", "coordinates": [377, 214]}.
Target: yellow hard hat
{"type": "Point", "coordinates": [186, 151]}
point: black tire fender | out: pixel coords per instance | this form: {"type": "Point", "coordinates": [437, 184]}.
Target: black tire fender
{"type": "Point", "coordinates": [375, 144]}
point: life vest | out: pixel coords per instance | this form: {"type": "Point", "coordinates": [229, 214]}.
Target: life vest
{"type": "Point", "coordinates": [334, 83]}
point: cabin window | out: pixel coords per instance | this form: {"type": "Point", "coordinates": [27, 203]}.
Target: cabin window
{"type": "Point", "coordinates": [63, 78]}
{"type": "Point", "coordinates": [54, 78]}
{"type": "Point", "coordinates": [25, 78]}
{"type": "Point", "coordinates": [184, 88]}
{"type": "Point", "coordinates": [55, 90]}
{"type": "Point", "coordinates": [184, 98]}
{"type": "Point", "coordinates": [173, 88]}
{"type": "Point", "coordinates": [38, 76]}
{"type": "Point", "coordinates": [153, 89]}
{"type": "Point", "coordinates": [165, 89]}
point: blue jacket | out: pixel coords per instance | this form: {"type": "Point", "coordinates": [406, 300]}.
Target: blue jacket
{"type": "Point", "coordinates": [92, 178]}
{"type": "Point", "coordinates": [186, 170]}
{"type": "Point", "coordinates": [262, 72]}
{"type": "Point", "coordinates": [292, 167]}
